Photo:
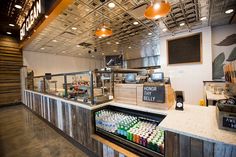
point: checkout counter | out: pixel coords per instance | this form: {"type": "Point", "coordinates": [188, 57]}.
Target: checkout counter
{"type": "Point", "coordinates": [136, 122]}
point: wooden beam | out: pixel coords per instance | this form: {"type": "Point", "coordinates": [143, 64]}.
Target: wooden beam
{"type": "Point", "coordinates": [58, 8]}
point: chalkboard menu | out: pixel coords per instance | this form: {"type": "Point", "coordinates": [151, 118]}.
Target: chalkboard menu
{"type": "Point", "coordinates": [185, 49]}
{"type": "Point", "coordinates": [155, 93]}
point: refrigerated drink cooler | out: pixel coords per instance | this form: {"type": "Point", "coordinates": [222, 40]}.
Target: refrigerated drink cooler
{"type": "Point", "coordinates": [134, 130]}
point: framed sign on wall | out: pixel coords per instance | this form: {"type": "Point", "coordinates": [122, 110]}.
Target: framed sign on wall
{"type": "Point", "coordinates": [187, 49]}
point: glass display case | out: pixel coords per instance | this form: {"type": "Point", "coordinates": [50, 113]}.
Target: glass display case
{"type": "Point", "coordinates": [78, 86]}
{"type": "Point", "coordinates": [136, 130]}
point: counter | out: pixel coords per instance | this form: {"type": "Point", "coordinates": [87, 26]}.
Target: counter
{"type": "Point", "coordinates": [195, 127]}
{"type": "Point", "coordinates": [195, 121]}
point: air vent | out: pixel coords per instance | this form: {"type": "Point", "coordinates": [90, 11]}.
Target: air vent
{"type": "Point", "coordinates": [68, 35]}
{"type": "Point", "coordinates": [138, 12]}
{"type": "Point", "coordinates": [84, 44]}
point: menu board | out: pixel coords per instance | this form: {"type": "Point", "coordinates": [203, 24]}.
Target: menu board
{"type": "Point", "coordinates": [155, 93]}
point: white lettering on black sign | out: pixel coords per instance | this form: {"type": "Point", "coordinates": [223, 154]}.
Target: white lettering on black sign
{"type": "Point", "coordinates": [31, 18]}
{"type": "Point", "coordinates": [154, 93]}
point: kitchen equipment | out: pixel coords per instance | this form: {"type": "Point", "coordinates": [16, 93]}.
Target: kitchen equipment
{"type": "Point", "coordinates": [226, 114]}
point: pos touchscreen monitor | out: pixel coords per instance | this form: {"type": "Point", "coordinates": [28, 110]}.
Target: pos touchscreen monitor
{"type": "Point", "coordinates": [157, 77]}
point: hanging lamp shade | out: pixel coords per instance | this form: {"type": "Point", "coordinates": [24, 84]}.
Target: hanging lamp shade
{"type": "Point", "coordinates": [103, 31]}
{"type": "Point", "coordinates": [158, 8]}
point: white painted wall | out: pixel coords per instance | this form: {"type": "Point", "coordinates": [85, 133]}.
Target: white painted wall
{"type": "Point", "coordinates": [189, 77]}
{"type": "Point", "coordinates": [42, 63]}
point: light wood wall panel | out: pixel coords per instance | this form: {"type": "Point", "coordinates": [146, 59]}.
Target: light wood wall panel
{"type": "Point", "coordinates": [10, 63]}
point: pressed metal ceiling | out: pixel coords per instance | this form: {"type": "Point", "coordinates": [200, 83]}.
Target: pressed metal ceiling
{"type": "Point", "coordinates": [11, 15]}
{"type": "Point", "coordinates": [77, 24]}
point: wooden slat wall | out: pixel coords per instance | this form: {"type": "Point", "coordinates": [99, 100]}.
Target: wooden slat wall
{"type": "Point", "coordinates": [177, 145]}
{"type": "Point", "coordinates": [10, 63]}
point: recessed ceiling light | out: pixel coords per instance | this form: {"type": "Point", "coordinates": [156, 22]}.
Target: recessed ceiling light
{"type": "Point", "coordinates": [9, 33]}
{"type": "Point", "coordinates": [135, 23]}
{"type": "Point", "coordinates": [203, 18]}
{"type": "Point", "coordinates": [74, 28]}
{"type": "Point", "coordinates": [46, 16]}
{"type": "Point", "coordinates": [18, 6]}
{"type": "Point", "coordinates": [12, 25]}
{"type": "Point", "coordinates": [102, 53]}
{"type": "Point", "coordinates": [182, 24]}
{"type": "Point", "coordinates": [117, 43]}
{"type": "Point", "coordinates": [150, 33]}
{"type": "Point", "coordinates": [87, 10]}
{"type": "Point", "coordinates": [148, 43]}
{"type": "Point", "coordinates": [164, 29]}
{"type": "Point", "coordinates": [100, 37]}
{"type": "Point", "coordinates": [42, 48]}
{"type": "Point", "coordinates": [114, 50]}
{"type": "Point", "coordinates": [111, 5]}
{"type": "Point", "coordinates": [229, 11]}
{"type": "Point", "coordinates": [77, 45]}
{"type": "Point", "coordinates": [108, 43]}
{"type": "Point", "coordinates": [129, 47]}
{"type": "Point", "coordinates": [54, 40]}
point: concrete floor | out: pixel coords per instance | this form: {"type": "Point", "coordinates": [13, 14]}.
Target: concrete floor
{"type": "Point", "coordinates": [22, 134]}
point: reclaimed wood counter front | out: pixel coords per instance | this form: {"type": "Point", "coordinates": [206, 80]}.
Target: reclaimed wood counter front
{"type": "Point", "coordinates": [73, 119]}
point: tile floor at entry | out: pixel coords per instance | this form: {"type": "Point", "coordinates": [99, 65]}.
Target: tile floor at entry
{"type": "Point", "coordinates": [22, 134]}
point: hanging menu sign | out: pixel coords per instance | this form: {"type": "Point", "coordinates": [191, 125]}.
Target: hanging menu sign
{"type": "Point", "coordinates": [33, 15]}
{"type": "Point", "coordinates": [155, 93]}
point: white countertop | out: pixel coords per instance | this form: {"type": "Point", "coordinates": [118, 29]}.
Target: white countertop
{"type": "Point", "coordinates": [195, 121]}
{"type": "Point", "coordinates": [212, 96]}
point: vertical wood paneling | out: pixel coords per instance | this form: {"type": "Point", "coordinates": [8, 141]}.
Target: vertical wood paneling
{"type": "Point", "coordinates": [196, 148]}
{"type": "Point", "coordinates": [184, 146]}
{"type": "Point", "coordinates": [208, 149]}
{"type": "Point", "coordinates": [10, 63]}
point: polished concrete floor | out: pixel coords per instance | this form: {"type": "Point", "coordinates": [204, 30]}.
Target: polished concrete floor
{"type": "Point", "coordinates": [22, 134]}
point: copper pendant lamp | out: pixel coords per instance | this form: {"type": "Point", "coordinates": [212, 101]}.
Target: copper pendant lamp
{"type": "Point", "coordinates": [103, 31]}
{"type": "Point", "coordinates": [157, 9]}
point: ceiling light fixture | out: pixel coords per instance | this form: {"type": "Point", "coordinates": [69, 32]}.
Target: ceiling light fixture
{"type": "Point", "coordinates": [46, 16]}
{"type": "Point", "coordinates": [157, 9]}
{"type": "Point", "coordinates": [74, 28]}
{"type": "Point", "coordinates": [9, 33]}
{"type": "Point", "coordinates": [203, 18]}
{"type": "Point", "coordinates": [135, 23]}
{"type": "Point", "coordinates": [103, 31]}
{"type": "Point", "coordinates": [111, 5]}
{"type": "Point", "coordinates": [18, 6]}
{"type": "Point", "coordinates": [117, 43]}
{"type": "Point", "coordinates": [182, 24]}
{"type": "Point", "coordinates": [77, 45]}
{"type": "Point", "coordinates": [150, 33]}
{"type": "Point", "coordinates": [229, 11]}
{"type": "Point", "coordinates": [42, 48]}
{"type": "Point", "coordinates": [164, 29]}
{"type": "Point", "coordinates": [12, 25]}
{"type": "Point", "coordinates": [129, 47]}
{"type": "Point", "coordinates": [54, 40]}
